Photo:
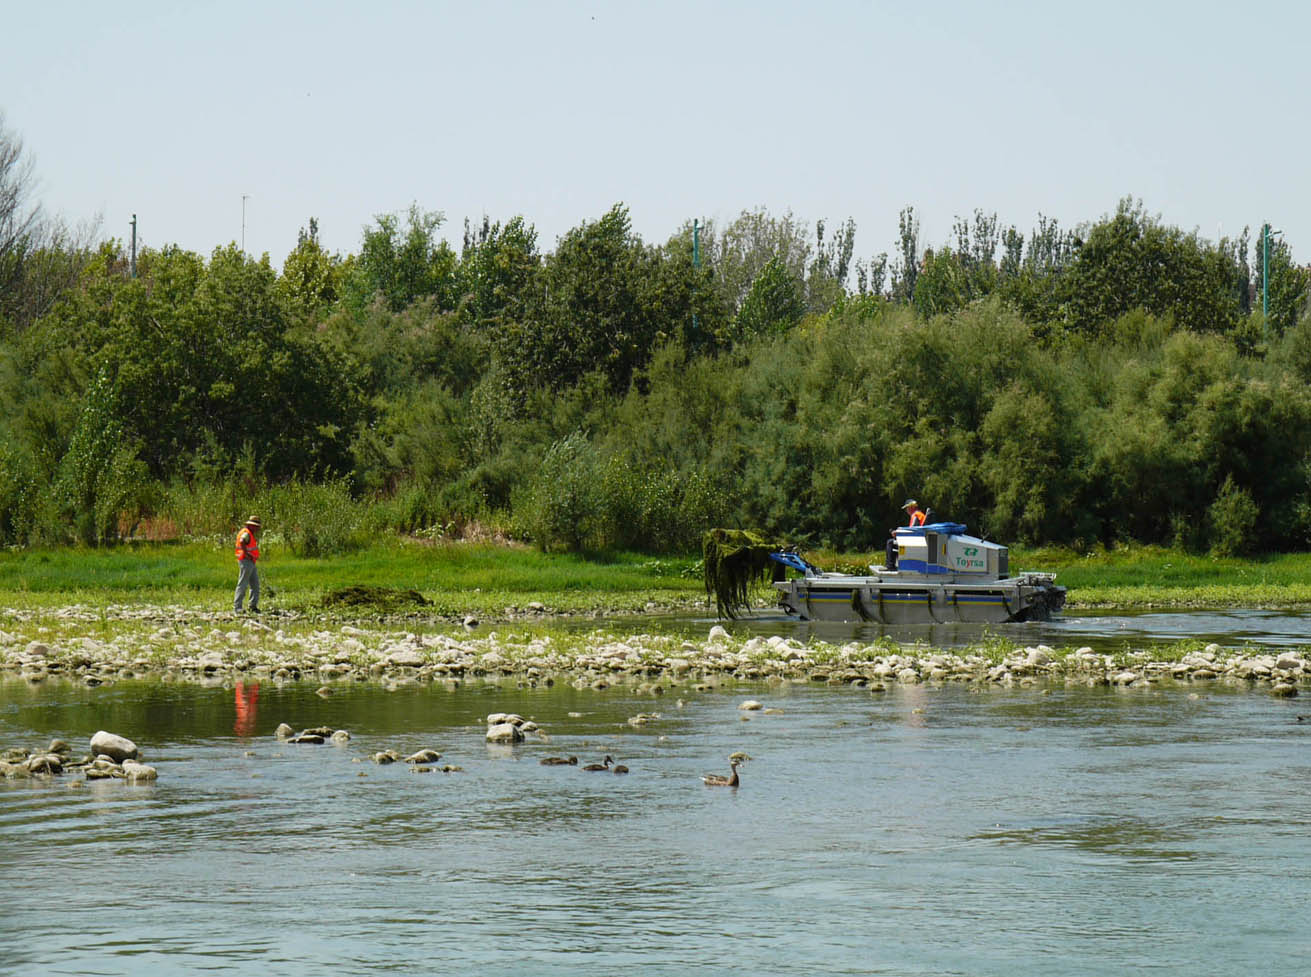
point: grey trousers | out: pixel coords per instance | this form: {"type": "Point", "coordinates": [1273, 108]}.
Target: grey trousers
{"type": "Point", "coordinates": [247, 579]}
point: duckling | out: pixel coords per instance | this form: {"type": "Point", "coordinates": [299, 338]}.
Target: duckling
{"type": "Point", "coordinates": [719, 780]}
{"type": "Point", "coordinates": [559, 761]}
{"type": "Point", "coordinates": [605, 765]}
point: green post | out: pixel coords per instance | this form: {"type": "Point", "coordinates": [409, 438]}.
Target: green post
{"type": "Point", "coordinates": [696, 263]}
{"type": "Point", "coordinates": [1265, 273]}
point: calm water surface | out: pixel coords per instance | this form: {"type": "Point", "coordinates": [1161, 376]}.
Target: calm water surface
{"type": "Point", "coordinates": [1104, 630]}
{"type": "Point", "coordinates": [920, 831]}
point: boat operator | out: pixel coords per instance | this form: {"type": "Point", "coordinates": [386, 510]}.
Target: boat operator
{"type": "Point", "coordinates": [917, 515]}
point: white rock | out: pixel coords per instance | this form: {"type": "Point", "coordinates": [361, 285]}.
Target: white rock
{"type": "Point", "coordinates": [717, 633]}
{"type": "Point", "coordinates": [751, 705]}
{"type": "Point", "coordinates": [138, 773]}
{"type": "Point", "coordinates": [504, 733]}
{"type": "Point", "coordinates": [117, 748]}
{"type": "Point", "coordinates": [407, 658]}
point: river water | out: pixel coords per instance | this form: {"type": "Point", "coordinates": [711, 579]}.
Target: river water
{"type": "Point", "coordinates": [1103, 630]}
{"type": "Point", "coordinates": [942, 831]}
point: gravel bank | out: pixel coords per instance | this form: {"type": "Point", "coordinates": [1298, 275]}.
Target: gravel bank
{"type": "Point", "coordinates": [100, 645]}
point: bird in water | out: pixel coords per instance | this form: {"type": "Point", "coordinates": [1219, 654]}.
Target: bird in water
{"type": "Point", "coordinates": [605, 765]}
{"type": "Point", "coordinates": [559, 761]}
{"type": "Point", "coordinates": [619, 768]}
{"type": "Point", "coordinates": [719, 780]}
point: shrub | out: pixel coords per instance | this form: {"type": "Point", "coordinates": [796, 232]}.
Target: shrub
{"type": "Point", "coordinates": [560, 504]}
{"type": "Point", "coordinates": [314, 519]}
{"type": "Point", "coordinates": [1233, 517]}
{"type": "Point", "coordinates": [18, 498]}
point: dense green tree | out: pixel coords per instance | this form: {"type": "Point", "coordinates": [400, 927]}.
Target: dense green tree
{"type": "Point", "coordinates": [311, 280]}
{"type": "Point", "coordinates": [1288, 285]}
{"type": "Point", "coordinates": [498, 271]}
{"type": "Point", "coordinates": [774, 303]}
{"type": "Point", "coordinates": [401, 266]}
{"type": "Point", "coordinates": [943, 284]}
{"type": "Point", "coordinates": [592, 310]}
{"type": "Point", "coordinates": [200, 359]}
{"type": "Point", "coordinates": [1133, 261]}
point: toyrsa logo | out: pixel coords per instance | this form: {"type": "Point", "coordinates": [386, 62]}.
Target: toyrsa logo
{"type": "Point", "coordinates": [970, 559]}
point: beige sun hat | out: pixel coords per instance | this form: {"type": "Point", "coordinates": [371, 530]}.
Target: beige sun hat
{"type": "Point", "coordinates": [253, 521]}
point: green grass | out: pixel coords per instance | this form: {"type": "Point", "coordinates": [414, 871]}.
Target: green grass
{"type": "Point", "coordinates": [485, 578]}
{"type": "Point", "coordinates": [457, 578]}
{"type": "Point", "coordinates": [1150, 576]}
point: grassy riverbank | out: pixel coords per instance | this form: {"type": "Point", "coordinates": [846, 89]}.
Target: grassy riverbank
{"type": "Point", "coordinates": [487, 579]}
{"type": "Point", "coordinates": [461, 578]}
{"type": "Point", "coordinates": [1152, 577]}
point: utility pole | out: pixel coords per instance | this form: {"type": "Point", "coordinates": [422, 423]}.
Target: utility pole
{"type": "Point", "coordinates": [244, 197]}
{"type": "Point", "coordinates": [134, 245]}
{"type": "Point", "coordinates": [1266, 232]}
{"type": "Point", "coordinates": [696, 264]}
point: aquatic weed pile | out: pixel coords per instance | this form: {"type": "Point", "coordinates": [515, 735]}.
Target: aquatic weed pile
{"type": "Point", "coordinates": [381, 599]}
{"type": "Point", "coordinates": [734, 560]}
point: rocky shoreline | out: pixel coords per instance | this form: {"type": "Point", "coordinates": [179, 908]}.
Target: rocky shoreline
{"type": "Point", "coordinates": [178, 645]}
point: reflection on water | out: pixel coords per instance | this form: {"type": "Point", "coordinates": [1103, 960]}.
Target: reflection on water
{"type": "Point", "coordinates": [1104, 631]}
{"type": "Point", "coordinates": [919, 831]}
{"type": "Point", "coordinates": [246, 696]}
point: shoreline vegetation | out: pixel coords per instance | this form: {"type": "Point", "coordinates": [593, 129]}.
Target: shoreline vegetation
{"type": "Point", "coordinates": [495, 612]}
{"type": "Point", "coordinates": [494, 581]}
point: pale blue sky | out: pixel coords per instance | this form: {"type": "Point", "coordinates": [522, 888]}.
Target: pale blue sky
{"type": "Point", "coordinates": [557, 110]}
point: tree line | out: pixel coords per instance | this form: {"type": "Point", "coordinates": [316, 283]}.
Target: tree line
{"type": "Point", "coordinates": [1112, 380]}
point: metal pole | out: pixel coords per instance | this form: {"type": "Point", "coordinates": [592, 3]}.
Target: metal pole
{"type": "Point", "coordinates": [696, 263]}
{"type": "Point", "coordinates": [1265, 271]}
{"type": "Point", "coordinates": [243, 222]}
{"type": "Point", "coordinates": [134, 245]}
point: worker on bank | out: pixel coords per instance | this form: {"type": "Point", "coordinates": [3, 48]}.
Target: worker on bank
{"type": "Point", "coordinates": [917, 515]}
{"type": "Point", "coordinates": [247, 576]}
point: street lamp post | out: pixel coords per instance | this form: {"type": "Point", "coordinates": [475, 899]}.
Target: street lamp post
{"type": "Point", "coordinates": [1266, 232]}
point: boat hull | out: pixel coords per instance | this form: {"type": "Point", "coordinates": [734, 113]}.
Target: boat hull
{"type": "Point", "coordinates": [899, 599]}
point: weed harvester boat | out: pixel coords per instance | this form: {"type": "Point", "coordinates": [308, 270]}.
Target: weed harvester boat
{"type": "Point", "coordinates": [937, 573]}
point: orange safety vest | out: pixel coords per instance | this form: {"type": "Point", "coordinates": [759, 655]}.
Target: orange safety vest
{"type": "Point", "coordinates": [917, 517]}
{"type": "Point", "coordinates": [247, 545]}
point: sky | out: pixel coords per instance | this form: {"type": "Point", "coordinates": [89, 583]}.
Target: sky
{"type": "Point", "coordinates": [218, 122]}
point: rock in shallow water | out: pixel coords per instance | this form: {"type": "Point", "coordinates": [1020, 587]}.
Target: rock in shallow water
{"type": "Point", "coordinates": [504, 733]}
{"type": "Point", "coordinates": [117, 748]}
{"type": "Point", "coordinates": [138, 773]}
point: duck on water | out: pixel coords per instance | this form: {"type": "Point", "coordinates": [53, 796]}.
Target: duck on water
{"type": "Point", "coordinates": [719, 780]}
